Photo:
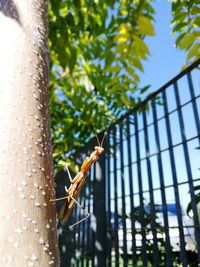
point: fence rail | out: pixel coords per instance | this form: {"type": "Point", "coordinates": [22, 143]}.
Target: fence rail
{"type": "Point", "coordinates": [141, 190]}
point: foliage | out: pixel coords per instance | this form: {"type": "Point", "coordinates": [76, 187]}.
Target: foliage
{"type": "Point", "coordinates": [186, 26]}
{"type": "Point", "coordinates": [97, 48]}
{"type": "Point", "coordinates": [197, 200]}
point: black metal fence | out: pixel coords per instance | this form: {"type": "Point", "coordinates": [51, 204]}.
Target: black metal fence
{"type": "Point", "coordinates": [143, 193]}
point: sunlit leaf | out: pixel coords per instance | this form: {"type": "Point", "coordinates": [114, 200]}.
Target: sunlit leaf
{"type": "Point", "coordinates": [144, 89]}
{"type": "Point", "coordinates": [123, 37]}
{"type": "Point", "coordinates": [140, 46]}
{"type": "Point", "coordinates": [145, 26]}
{"type": "Point", "coordinates": [69, 164]}
{"type": "Point", "coordinates": [185, 20]}
{"type": "Point", "coordinates": [187, 41]}
{"type": "Point", "coordinates": [125, 99]}
{"type": "Point", "coordinates": [194, 52]}
{"type": "Point", "coordinates": [130, 71]}
{"type": "Point", "coordinates": [136, 62]}
{"type": "Point", "coordinates": [121, 47]}
{"type": "Point", "coordinates": [179, 38]}
{"type": "Point", "coordinates": [95, 52]}
{"type": "Point", "coordinates": [179, 27]}
{"type": "Point", "coordinates": [114, 68]}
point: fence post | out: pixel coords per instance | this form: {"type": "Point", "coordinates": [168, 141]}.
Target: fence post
{"type": "Point", "coordinates": [100, 213]}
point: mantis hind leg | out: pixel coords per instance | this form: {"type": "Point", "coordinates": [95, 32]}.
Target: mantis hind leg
{"type": "Point", "coordinates": [84, 210]}
{"type": "Point", "coordinates": [57, 199]}
{"type": "Point", "coordinates": [61, 198]}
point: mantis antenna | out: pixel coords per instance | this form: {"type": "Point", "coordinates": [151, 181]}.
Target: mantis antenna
{"type": "Point", "coordinates": [96, 135]}
{"type": "Point", "coordinates": [105, 133]}
{"type": "Point", "coordinates": [104, 136]}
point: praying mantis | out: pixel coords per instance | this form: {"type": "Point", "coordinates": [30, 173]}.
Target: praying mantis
{"type": "Point", "coordinates": [77, 184]}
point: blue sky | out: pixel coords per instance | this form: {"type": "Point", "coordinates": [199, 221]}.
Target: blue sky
{"type": "Point", "coordinates": [165, 60]}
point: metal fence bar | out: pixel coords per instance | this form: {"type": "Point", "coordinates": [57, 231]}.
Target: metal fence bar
{"type": "Point", "coordinates": [131, 196]}
{"type": "Point", "coordinates": [74, 236]}
{"type": "Point", "coordinates": [82, 230]}
{"type": "Point", "coordinates": [88, 222]}
{"type": "Point", "coordinates": [162, 89]}
{"type": "Point", "coordinates": [125, 258]}
{"type": "Point", "coordinates": [194, 104]}
{"type": "Point", "coordinates": [176, 191]}
{"type": "Point", "coordinates": [79, 237]}
{"type": "Point", "coordinates": [189, 171]}
{"type": "Point", "coordinates": [93, 219]}
{"type": "Point", "coordinates": [108, 187]}
{"type": "Point", "coordinates": [159, 188]}
{"type": "Point", "coordinates": [140, 167]}
{"type": "Point", "coordinates": [162, 150]}
{"type": "Point", "coordinates": [151, 194]}
{"type": "Point", "coordinates": [143, 224]}
{"type": "Point", "coordinates": [83, 252]}
{"type": "Point", "coordinates": [100, 212]}
{"type": "Point", "coordinates": [162, 188]}
{"type": "Point", "coordinates": [116, 239]}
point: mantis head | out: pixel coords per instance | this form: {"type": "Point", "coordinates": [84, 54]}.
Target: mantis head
{"type": "Point", "coordinates": [99, 149]}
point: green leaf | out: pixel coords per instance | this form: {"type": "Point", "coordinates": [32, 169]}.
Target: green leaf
{"type": "Point", "coordinates": [145, 26]}
{"type": "Point", "coordinates": [81, 21]}
{"type": "Point", "coordinates": [77, 3]}
{"type": "Point", "coordinates": [121, 38]}
{"type": "Point", "coordinates": [179, 16]}
{"type": "Point", "coordinates": [187, 41]}
{"type": "Point", "coordinates": [189, 207]}
{"type": "Point", "coordinates": [109, 59]}
{"type": "Point", "coordinates": [177, 5]}
{"type": "Point", "coordinates": [180, 26]}
{"type": "Point", "coordinates": [69, 164]}
{"type": "Point", "coordinates": [194, 52]}
{"type": "Point", "coordinates": [114, 68]}
{"type": "Point", "coordinates": [63, 163]}
{"type": "Point", "coordinates": [70, 20]}
{"type": "Point", "coordinates": [95, 55]}
{"type": "Point", "coordinates": [144, 89]}
{"type": "Point", "coordinates": [72, 60]}
{"type": "Point", "coordinates": [125, 99]}
{"type": "Point", "coordinates": [121, 47]}
{"type": "Point", "coordinates": [63, 58]}
{"type": "Point", "coordinates": [136, 62]}
{"type": "Point", "coordinates": [196, 22]}
{"type": "Point", "coordinates": [196, 187]}
{"type": "Point", "coordinates": [179, 38]}
{"type": "Point", "coordinates": [130, 71]}
{"type": "Point", "coordinates": [140, 47]}
{"type": "Point", "coordinates": [136, 77]}
{"type": "Point", "coordinates": [195, 10]}
{"type": "Point", "coordinates": [55, 6]}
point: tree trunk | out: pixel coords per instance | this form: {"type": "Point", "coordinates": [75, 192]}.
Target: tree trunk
{"type": "Point", "coordinates": [28, 235]}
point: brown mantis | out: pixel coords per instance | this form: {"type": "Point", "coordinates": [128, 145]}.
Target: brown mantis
{"type": "Point", "coordinates": [77, 184]}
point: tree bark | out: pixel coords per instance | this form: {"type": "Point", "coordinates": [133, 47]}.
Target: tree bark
{"type": "Point", "coordinates": [28, 235]}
